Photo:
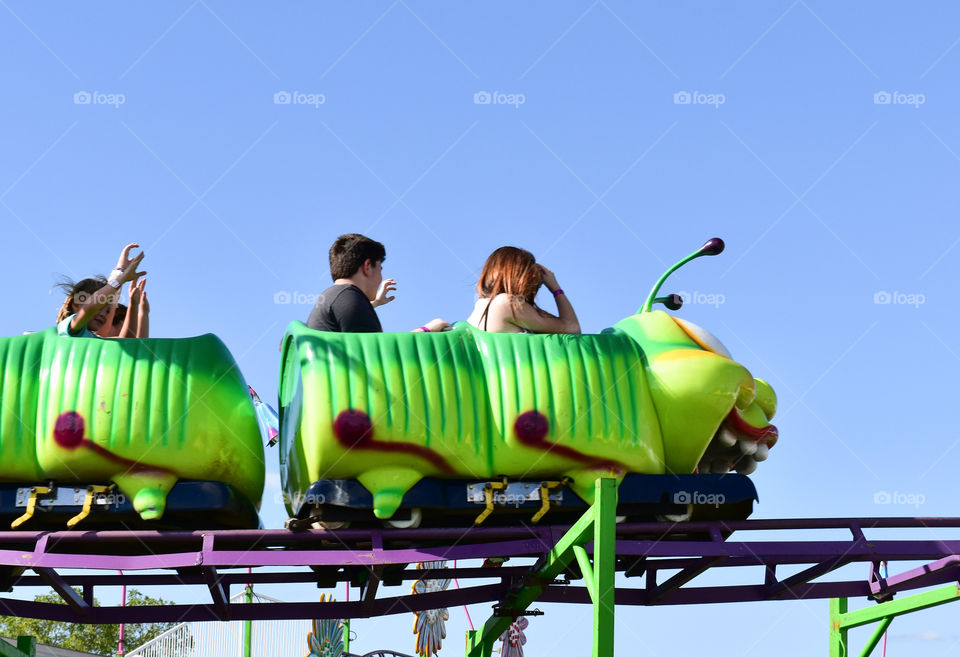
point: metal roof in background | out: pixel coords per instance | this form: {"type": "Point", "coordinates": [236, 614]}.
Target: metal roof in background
{"type": "Point", "coordinates": [50, 651]}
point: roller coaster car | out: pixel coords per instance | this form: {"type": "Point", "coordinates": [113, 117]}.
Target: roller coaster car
{"type": "Point", "coordinates": [407, 428]}
{"type": "Point", "coordinates": [152, 433]}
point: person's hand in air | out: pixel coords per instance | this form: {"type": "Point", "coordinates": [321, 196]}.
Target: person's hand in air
{"type": "Point", "coordinates": [386, 287]}
{"type": "Point", "coordinates": [126, 269]}
{"type": "Point", "coordinates": [549, 279]}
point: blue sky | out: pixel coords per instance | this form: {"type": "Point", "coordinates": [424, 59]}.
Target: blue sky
{"type": "Point", "coordinates": [820, 141]}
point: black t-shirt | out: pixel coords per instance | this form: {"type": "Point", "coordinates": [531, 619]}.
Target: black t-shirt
{"type": "Point", "coordinates": [344, 309]}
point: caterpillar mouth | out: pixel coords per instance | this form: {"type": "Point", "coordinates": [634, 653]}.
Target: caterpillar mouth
{"type": "Point", "coordinates": [737, 445]}
{"type": "Point", "coordinates": [768, 434]}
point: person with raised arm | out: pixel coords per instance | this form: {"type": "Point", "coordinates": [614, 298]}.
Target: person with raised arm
{"type": "Point", "coordinates": [507, 290]}
{"type": "Point", "coordinates": [85, 309]}
{"type": "Point", "coordinates": [356, 266]}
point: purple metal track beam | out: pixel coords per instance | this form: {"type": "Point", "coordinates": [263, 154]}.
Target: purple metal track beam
{"type": "Point", "coordinates": [761, 552]}
{"type": "Point", "coordinates": [231, 579]}
{"type": "Point", "coordinates": [692, 548]}
{"type": "Point", "coordinates": [783, 589]}
{"type": "Point", "coordinates": [370, 594]}
{"type": "Point", "coordinates": [916, 578]}
{"type": "Point", "coordinates": [243, 558]}
{"type": "Point", "coordinates": [681, 578]}
{"type": "Point", "coordinates": [749, 592]}
{"type": "Point", "coordinates": [278, 537]}
{"type": "Point", "coordinates": [707, 595]}
{"type": "Point", "coordinates": [261, 611]}
{"type": "Point", "coordinates": [221, 599]}
{"type": "Point", "coordinates": [54, 581]}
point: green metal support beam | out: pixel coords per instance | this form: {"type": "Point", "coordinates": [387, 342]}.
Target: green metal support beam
{"type": "Point", "coordinates": [598, 523]}
{"type": "Point", "coordinates": [248, 625]}
{"type": "Point", "coordinates": [875, 637]}
{"type": "Point", "coordinates": [838, 633]}
{"type": "Point", "coordinates": [26, 647]}
{"type": "Point", "coordinates": [583, 560]}
{"type": "Point", "coordinates": [604, 562]}
{"type": "Point", "coordinates": [884, 613]}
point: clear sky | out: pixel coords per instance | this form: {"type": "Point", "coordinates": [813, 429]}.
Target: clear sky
{"type": "Point", "coordinates": [819, 139]}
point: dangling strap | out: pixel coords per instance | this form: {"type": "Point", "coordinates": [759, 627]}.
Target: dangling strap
{"type": "Point", "coordinates": [484, 317]}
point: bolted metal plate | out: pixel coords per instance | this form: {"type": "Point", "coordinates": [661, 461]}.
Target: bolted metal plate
{"type": "Point", "coordinates": [69, 496]}
{"type": "Point", "coordinates": [514, 494]}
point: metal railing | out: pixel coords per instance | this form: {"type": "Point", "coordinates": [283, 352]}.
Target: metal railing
{"type": "Point", "coordinates": [286, 638]}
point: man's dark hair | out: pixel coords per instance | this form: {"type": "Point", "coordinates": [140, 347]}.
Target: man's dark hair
{"type": "Point", "coordinates": [349, 253]}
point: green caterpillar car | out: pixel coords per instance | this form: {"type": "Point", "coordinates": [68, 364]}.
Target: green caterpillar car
{"type": "Point", "coordinates": [116, 424]}
{"type": "Point", "coordinates": [653, 395]}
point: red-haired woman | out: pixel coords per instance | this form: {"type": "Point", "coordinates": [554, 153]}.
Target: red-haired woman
{"type": "Point", "coordinates": [507, 289]}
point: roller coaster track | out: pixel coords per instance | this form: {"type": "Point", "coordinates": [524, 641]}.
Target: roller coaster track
{"type": "Point", "coordinates": [375, 560]}
{"type": "Point", "coordinates": [663, 558]}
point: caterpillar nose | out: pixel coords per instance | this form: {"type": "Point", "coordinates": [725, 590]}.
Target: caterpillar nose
{"type": "Point", "coordinates": [766, 398]}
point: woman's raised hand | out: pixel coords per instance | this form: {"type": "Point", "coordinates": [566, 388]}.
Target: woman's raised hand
{"type": "Point", "coordinates": [548, 278]}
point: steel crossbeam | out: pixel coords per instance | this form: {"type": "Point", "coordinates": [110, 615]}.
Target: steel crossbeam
{"type": "Point", "coordinates": [670, 560]}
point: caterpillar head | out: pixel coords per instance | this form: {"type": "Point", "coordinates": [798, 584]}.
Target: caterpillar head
{"type": "Point", "coordinates": [714, 415]}
{"type": "Point", "coordinates": [708, 405]}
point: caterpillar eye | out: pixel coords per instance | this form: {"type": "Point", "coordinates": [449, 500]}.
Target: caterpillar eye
{"type": "Point", "coordinates": [703, 337]}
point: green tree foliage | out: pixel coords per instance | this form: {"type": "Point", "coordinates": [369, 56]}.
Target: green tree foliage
{"type": "Point", "coordinates": [96, 639]}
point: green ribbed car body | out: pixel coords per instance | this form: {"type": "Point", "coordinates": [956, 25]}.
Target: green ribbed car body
{"type": "Point", "coordinates": [642, 397]}
{"type": "Point", "coordinates": [142, 414]}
